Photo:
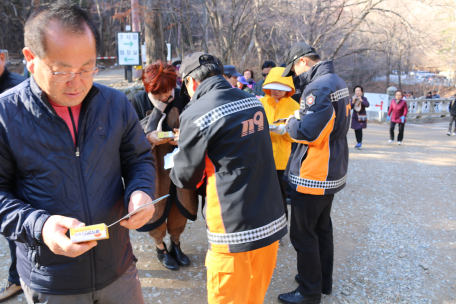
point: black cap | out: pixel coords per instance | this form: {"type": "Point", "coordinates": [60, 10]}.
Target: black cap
{"type": "Point", "coordinates": [191, 63]}
{"type": "Point", "coordinates": [231, 70]}
{"type": "Point", "coordinates": [268, 64]}
{"type": "Point", "coordinates": [294, 52]}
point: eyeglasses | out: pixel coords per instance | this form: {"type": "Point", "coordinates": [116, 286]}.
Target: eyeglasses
{"type": "Point", "coordinates": [68, 76]}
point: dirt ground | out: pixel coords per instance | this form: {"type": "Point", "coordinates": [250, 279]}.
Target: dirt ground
{"type": "Point", "coordinates": [394, 229]}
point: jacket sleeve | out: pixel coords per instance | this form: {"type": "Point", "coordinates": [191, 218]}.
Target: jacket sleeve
{"type": "Point", "coordinates": [18, 220]}
{"type": "Point", "coordinates": [138, 168]}
{"type": "Point", "coordinates": [405, 109]}
{"type": "Point", "coordinates": [189, 162]}
{"type": "Point", "coordinates": [391, 108]}
{"type": "Point", "coordinates": [313, 128]}
{"type": "Point", "coordinates": [294, 106]}
{"type": "Point", "coordinates": [365, 102]}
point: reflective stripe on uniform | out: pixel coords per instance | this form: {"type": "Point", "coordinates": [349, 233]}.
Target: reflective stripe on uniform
{"type": "Point", "coordinates": [249, 235]}
{"type": "Point", "coordinates": [339, 95]}
{"type": "Point", "coordinates": [212, 116]}
{"type": "Point", "coordinates": [309, 183]}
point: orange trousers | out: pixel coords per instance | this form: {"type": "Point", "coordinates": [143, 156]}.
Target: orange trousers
{"type": "Point", "coordinates": [240, 278]}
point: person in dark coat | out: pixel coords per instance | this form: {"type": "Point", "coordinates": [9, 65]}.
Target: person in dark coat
{"type": "Point", "coordinates": [265, 68]}
{"type": "Point", "coordinates": [397, 112]}
{"type": "Point", "coordinates": [12, 285]}
{"type": "Point", "coordinates": [73, 154]}
{"type": "Point", "coordinates": [452, 110]}
{"type": "Point", "coordinates": [359, 104]}
{"type": "Point", "coordinates": [159, 108]}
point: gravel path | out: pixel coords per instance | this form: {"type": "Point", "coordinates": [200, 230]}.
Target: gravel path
{"type": "Point", "coordinates": [394, 228]}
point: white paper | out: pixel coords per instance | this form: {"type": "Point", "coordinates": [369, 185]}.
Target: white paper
{"type": "Point", "coordinates": [139, 209]}
{"type": "Point", "coordinates": [169, 160]}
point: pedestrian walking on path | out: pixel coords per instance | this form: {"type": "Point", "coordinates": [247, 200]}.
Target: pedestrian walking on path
{"type": "Point", "coordinates": [158, 109]}
{"type": "Point", "coordinates": [317, 169]}
{"type": "Point", "coordinates": [224, 143]}
{"type": "Point", "coordinates": [359, 104]}
{"type": "Point", "coordinates": [397, 114]}
{"type": "Point", "coordinates": [452, 118]}
{"type": "Point", "coordinates": [279, 104]}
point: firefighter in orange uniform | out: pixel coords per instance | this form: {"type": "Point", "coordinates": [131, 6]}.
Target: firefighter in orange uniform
{"type": "Point", "coordinates": [317, 169]}
{"type": "Point", "coordinates": [224, 140]}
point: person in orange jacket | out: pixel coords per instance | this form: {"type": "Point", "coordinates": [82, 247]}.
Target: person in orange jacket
{"type": "Point", "coordinates": [278, 104]}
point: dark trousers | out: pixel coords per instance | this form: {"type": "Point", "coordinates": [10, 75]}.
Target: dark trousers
{"type": "Point", "coordinates": [311, 234]}
{"type": "Point", "coordinates": [400, 136]}
{"type": "Point", "coordinates": [359, 135]}
{"type": "Point", "coordinates": [452, 119]}
{"type": "Point", "coordinates": [13, 274]}
{"type": "Point", "coordinates": [283, 190]}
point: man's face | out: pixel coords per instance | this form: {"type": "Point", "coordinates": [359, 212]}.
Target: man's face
{"type": "Point", "coordinates": [66, 52]}
{"type": "Point", "coordinates": [2, 63]}
{"type": "Point", "coordinates": [300, 66]}
{"type": "Point", "coordinates": [266, 72]}
{"type": "Point", "coordinates": [232, 80]}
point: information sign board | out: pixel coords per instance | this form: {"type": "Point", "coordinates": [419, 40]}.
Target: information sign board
{"type": "Point", "coordinates": [128, 48]}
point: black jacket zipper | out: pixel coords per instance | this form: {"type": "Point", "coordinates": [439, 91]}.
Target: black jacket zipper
{"type": "Point", "coordinates": [77, 153]}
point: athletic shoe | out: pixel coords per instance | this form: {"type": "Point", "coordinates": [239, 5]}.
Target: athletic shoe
{"type": "Point", "coordinates": [399, 143]}
{"type": "Point", "coordinates": [358, 146]}
{"type": "Point", "coordinates": [454, 133]}
{"type": "Point", "coordinates": [8, 289]}
{"type": "Point", "coordinates": [449, 133]}
{"type": "Point", "coordinates": [390, 141]}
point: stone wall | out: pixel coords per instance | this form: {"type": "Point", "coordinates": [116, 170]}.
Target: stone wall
{"type": "Point", "coordinates": [129, 89]}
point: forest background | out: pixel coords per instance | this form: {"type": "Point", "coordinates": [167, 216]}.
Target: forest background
{"type": "Point", "coordinates": [365, 38]}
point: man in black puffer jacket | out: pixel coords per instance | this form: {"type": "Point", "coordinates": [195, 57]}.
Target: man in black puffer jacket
{"type": "Point", "coordinates": [71, 153]}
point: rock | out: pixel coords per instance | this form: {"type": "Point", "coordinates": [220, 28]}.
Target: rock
{"type": "Point", "coordinates": [148, 275]}
{"type": "Point", "coordinates": [424, 266]}
{"type": "Point", "coordinates": [345, 292]}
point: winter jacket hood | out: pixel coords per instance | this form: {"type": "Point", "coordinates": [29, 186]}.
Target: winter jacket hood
{"type": "Point", "coordinates": [275, 76]}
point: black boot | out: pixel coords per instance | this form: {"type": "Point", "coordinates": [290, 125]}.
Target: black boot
{"type": "Point", "coordinates": [295, 297]}
{"type": "Point", "coordinates": [180, 257]}
{"type": "Point", "coordinates": [166, 259]}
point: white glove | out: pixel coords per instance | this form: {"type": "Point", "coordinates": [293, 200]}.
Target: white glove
{"type": "Point", "coordinates": [279, 130]}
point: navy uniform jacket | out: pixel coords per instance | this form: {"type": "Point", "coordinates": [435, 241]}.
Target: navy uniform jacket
{"type": "Point", "coordinates": [318, 165]}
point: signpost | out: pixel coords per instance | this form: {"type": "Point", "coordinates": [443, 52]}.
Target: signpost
{"type": "Point", "coordinates": [128, 51]}
{"type": "Point", "coordinates": [378, 106]}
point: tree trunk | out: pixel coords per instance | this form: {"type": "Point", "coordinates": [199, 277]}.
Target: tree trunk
{"type": "Point", "coordinates": [154, 36]}
{"type": "Point", "coordinates": [100, 20]}
{"type": "Point", "coordinates": [388, 69]}
{"type": "Point", "coordinates": [399, 72]}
